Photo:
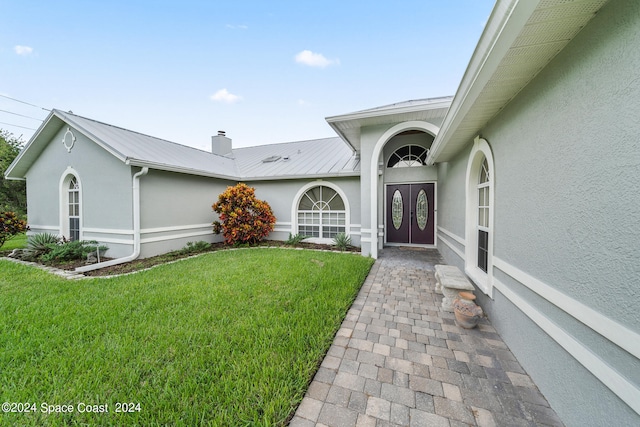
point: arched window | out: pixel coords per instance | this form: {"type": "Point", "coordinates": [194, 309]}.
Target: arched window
{"type": "Point", "coordinates": [480, 195]}
{"type": "Point", "coordinates": [73, 198]}
{"type": "Point", "coordinates": [408, 156]}
{"type": "Point", "coordinates": [483, 216]}
{"type": "Point", "coordinates": [321, 213]}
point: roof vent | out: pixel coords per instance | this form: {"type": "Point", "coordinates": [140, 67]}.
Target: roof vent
{"type": "Point", "coordinates": [271, 159]}
{"type": "Point", "coordinates": [222, 133]}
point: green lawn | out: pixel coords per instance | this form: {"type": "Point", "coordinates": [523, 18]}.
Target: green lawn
{"type": "Point", "coordinates": [227, 338]}
{"type": "Point", "coordinates": [16, 242]}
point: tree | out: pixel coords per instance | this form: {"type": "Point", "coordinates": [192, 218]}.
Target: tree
{"type": "Point", "coordinates": [13, 194]}
{"type": "Point", "coordinates": [245, 219]}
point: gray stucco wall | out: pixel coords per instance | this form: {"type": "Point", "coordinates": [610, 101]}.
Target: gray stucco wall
{"type": "Point", "coordinates": [105, 191]}
{"type": "Point", "coordinates": [281, 194]}
{"type": "Point", "coordinates": [567, 192]}
{"type": "Point", "coordinates": [451, 208]}
{"type": "Point", "coordinates": [176, 209]}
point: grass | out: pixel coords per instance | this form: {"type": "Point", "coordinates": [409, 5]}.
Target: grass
{"type": "Point", "coordinates": [227, 338]}
{"type": "Point", "coordinates": [16, 242]}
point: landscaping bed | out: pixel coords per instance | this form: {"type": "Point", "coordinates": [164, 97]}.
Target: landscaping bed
{"type": "Point", "coordinates": [144, 263]}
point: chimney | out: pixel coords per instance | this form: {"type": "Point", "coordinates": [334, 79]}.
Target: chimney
{"type": "Point", "coordinates": [221, 145]}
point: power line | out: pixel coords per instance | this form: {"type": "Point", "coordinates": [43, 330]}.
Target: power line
{"type": "Point", "coordinates": [18, 126]}
{"type": "Point", "coordinates": [24, 102]}
{"type": "Point", "coordinates": [21, 115]}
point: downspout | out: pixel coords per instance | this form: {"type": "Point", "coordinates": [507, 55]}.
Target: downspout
{"type": "Point", "coordinates": [136, 229]}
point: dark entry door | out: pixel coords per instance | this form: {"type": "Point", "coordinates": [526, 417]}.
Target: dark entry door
{"type": "Point", "coordinates": [411, 213]}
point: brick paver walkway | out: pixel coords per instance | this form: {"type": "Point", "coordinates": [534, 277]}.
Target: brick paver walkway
{"type": "Point", "coordinates": [399, 360]}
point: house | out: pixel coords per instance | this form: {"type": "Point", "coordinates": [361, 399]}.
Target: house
{"type": "Point", "coordinates": [528, 179]}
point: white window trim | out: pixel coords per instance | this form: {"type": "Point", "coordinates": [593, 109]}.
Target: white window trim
{"type": "Point", "coordinates": [479, 152]}
{"type": "Point", "coordinates": [301, 193]}
{"type": "Point", "coordinates": [63, 204]}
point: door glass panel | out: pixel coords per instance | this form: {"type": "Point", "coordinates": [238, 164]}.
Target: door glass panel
{"type": "Point", "coordinates": [422, 209]}
{"type": "Point", "coordinates": [397, 209]}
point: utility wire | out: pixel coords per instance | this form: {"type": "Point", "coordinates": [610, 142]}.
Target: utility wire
{"type": "Point", "coordinates": [18, 126]}
{"type": "Point", "coordinates": [24, 102]}
{"type": "Point", "coordinates": [21, 115]}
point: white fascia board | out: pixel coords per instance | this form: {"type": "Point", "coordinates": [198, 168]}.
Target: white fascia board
{"type": "Point", "coordinates": [21, 154]}
{"type": "Point", "coordinates": [171, 168]}
{"type": "Point", "coordinates": [505, 24]}
{"type": "Point", "coordinates": [387, 111]}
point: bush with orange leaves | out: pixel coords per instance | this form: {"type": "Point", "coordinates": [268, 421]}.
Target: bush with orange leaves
{"type": "Point", "coordinates": [243, 217]}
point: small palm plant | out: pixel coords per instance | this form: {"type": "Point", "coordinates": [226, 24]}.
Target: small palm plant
{"type": "Point", "coordinates": [342, 241]}
{"type": "Point", "coordinates": [41, 244]}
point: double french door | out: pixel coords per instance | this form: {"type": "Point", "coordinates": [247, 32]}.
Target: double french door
{"type": "Point", "coordinates": [411, 213]}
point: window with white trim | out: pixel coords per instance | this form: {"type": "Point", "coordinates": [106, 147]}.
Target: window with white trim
{"type": "Point", "coordinates": [73, 192]}
{"type": "Point", "coordinates": [483, 216]}
{"type": "Point", "coordinates": [321, 213]}
{"type": "Point", "coordinates": [408, 156]}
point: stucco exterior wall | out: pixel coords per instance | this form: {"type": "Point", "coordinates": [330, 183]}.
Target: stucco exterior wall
{"type": "Point", "coordinates": [281, 196]}
{"type": "Point", "coordinates": [566, 233]}
{"type": "Point", "coordinates": [176, 209]}
{"type": "Point", "coordinates": [451, 208]}
{"type": "Point", "coordinates": [106, 197]}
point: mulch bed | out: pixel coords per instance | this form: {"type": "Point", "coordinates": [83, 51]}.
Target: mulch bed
{"type": "Point", "coordinates": [144, 263]}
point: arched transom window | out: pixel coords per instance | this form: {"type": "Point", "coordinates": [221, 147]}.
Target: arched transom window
{"type": "Point", "coordinates": [408, 156]}
{"type": "Point", "coordinates": [321, 213]}
{"type": "Point", "coordinates": [74, 209]}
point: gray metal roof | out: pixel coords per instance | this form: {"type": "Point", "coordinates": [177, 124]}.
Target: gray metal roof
{"type": "Point", "coordinates": [319, 157]}
{"type": "Point", "coordinates": [322, 157]}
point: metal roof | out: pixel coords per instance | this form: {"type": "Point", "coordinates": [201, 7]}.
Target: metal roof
{"type": "Point", "coordinates": [320, 158]}
{"type": "Point", "coordinates": [304, 159]}
{"type": "Point", "coordinates": [348, 125]}
{"type": "Point", "coordinates": [520, 39]}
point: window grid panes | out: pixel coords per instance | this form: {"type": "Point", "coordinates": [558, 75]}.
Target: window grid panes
{"type": "Point", "coordinates": [321, 213]}
{"type": "Point", "coordinates": [483, 216]}
{"type": "Point", "coordinates": [408, 156]}
{"type": "Point", "coordinates": [74, 209]}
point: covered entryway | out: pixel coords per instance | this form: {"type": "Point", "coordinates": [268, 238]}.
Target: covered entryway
{"type": "Point", "coordinates": [410, 213]}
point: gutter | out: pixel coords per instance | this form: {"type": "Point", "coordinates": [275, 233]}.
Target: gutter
{"type": "Point", "coordinates": [136, 229]}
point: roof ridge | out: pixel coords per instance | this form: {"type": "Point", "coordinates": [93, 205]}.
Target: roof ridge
{"type": "Point", "coordinates": [285, 143]}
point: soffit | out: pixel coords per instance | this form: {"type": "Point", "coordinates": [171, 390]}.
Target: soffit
{"type": "Point", "coordinates": [348, 126]}
{"type": "Point", "coordinates": [520, 39]}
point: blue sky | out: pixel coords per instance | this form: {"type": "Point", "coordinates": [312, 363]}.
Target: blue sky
{"type": "Point", "coordinates": [263, 71]}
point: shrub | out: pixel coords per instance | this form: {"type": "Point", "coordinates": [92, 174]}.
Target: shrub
{"type": "Point", "coordinates": [295, 239]}
{"type": "Point", "coordinates": [342, 241]}
{"type": "Point", "coordinates": [41, 243]}
{"type": "Point", "coordinates": [74, 250]}
{"type": "Point", "coordinates": [193, 247]}
{"type": "Point", "coordinates": [243, 217]}
{"type": "Point", "coordinates": [10, 225]}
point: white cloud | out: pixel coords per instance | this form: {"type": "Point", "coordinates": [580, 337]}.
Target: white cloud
{"type": "Point", "coordinates": [223, 95]}
{"type": "Point", "coordinates": [237, 27]}
{"type": "Point", "coordinates": [23, 50]}
{"type": "Point", "coordinates": [312, 59]}
{"type": "Point", "coordinates": [303, 103]}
